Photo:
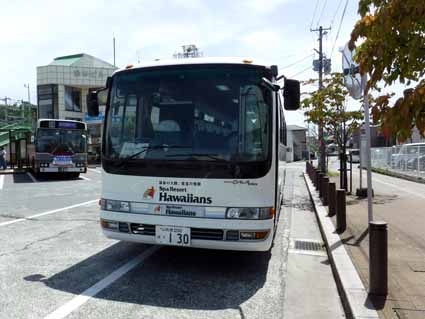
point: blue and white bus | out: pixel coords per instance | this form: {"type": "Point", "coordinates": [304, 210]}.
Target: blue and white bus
{"type": "Point", "coordinates": [60, 147]}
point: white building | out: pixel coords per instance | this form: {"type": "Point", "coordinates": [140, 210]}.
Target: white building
{"type": "Point", "coordinates": [62, 88]}
{"type": "Point", "coordinates": [297, 143]}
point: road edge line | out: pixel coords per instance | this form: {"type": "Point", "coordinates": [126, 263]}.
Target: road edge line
{"type": "Point", "coordinates": [34, 180]}
{"type": "Point", "coordinates": [47, 213]}
{"type": "Point", "coordinates": [90, 292]}
{"type": "Point", "coordinates": [1, 181]}
{"type": "Point", "coordinates": [353, 294]}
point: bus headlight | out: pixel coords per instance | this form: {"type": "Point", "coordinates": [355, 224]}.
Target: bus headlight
{"type": "Point", "coordinates": [250, 213]}
{"type": "Point", "coordinates": [114, 205]}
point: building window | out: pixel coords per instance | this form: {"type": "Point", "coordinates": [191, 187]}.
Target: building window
{"type": "Point", "coordinates": [47, 101]}
{"type": "Point", "coordinates": [72, 99]}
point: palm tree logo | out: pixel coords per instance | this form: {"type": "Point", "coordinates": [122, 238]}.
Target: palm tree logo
{"type": "Point", "coordinates": [149, 193]}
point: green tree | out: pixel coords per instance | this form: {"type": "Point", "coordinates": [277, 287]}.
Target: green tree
{"type": "Point", "coordinates": [326, 107]}
{"type": "Point", "coordinates": [391, 47]}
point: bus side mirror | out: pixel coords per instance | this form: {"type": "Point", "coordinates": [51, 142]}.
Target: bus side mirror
{"type": "Point", "coordinates": [291, 95]}
{"type": "Point", "coordinates": [92, 104]}
{"type": "Point", "coordinates": [94, 99]}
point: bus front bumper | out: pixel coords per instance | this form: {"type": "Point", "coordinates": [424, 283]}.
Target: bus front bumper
{"type": "Point", "coordinates": [201, 230]}
{"type": "Point", "coordinates": [62, 169]}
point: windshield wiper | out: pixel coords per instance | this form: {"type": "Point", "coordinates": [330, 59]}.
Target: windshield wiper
{"type": "Point", "coordinates": [192, 156]}
{"type": "Point", "coordinates": [145, 149]}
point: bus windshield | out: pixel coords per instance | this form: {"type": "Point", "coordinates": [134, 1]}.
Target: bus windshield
{"type": "Point", "coordinates": [60, 141]}
{"type": "Point", "coordinates": [197, 112]}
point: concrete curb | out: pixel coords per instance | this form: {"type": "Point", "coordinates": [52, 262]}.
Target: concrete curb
{"type": "Point", "coordinates": [399, 175]}
{"type": "Point", "coordinates": [353, 294]}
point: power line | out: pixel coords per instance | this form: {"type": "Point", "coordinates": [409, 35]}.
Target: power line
{"type": "Point", "coordinates": [296, 62]}
{"type": "Point", "coordinates": [314, 13]}
{"type": "Point", "coordinates": [339, 27]}
{"type": "Point", "coordinates": [302, 71]}
{"type": "Point", "coordinates": [323, 10]}
{"type": "Point", "coordinates": [336, 11]}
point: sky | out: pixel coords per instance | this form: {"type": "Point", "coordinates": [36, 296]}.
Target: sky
{"type": "Point", "coordinates": [33, 33]}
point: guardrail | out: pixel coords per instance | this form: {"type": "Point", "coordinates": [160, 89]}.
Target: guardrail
{"type": "Point", "coordinates": [408, 159]}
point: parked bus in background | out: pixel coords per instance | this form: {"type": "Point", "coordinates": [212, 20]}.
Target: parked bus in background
{"type": "Point", "coordinates": [60, 146]}
{"type": "Point", "coordinates": [193, 152]}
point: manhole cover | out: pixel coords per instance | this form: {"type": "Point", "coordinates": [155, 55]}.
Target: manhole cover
{"type": "Point", "coordinates": [308, 245]}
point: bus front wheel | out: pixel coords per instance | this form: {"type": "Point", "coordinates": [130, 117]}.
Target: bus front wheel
{"type": "Point", "coordinates": [75, 175]}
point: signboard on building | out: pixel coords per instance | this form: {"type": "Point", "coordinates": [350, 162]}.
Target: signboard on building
{"type": "Point", "coordinates": [94, 119]}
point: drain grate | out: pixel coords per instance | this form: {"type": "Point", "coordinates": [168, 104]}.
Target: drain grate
{"type": "Point", "coordinates": [308, 245]}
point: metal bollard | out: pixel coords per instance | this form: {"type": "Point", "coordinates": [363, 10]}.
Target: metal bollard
{"type": "Point", "coordinates": [332, 198]}
{"type": "Point", "coordinates": [319, 183]}
{"type": "Point", "coordinates": [322, 186]}
{"type": "Point", "coordinates": [341, 221]}
{"type": "Point", "coordinates": [316, 179]}
{"type": "Point", "coordinates": [325, 190]}
{"type": "Point", "coordinates": [378, 258]}
{"type": "Point", "coordinates": [312, 173]}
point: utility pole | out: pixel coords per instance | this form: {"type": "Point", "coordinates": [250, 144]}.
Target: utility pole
{"type": "Point", "coordinates": [113, 44]}
{"type": "Point", "coordinates": [27, 86]}
{"type": "Point", "coordinates": [322, 147]}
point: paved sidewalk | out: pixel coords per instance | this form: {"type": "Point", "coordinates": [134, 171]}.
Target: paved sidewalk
{"type": "Point", "coordinates": [401, 204]}
{"type": "Point", "coordinates": [309, 281]}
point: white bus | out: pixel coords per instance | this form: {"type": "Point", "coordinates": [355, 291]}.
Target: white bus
{"type": "Point", "coordinates": [191, 153]}
{"type": "Point", "coordinates": [60, 146]}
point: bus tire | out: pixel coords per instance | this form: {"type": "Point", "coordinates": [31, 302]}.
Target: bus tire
{"type": "Point", "coordinates": [75, 175]}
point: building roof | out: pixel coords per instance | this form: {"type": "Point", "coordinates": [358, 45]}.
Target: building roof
{"type": "Point", "coordinates": [295, 128]}
{"type": "Point", "coordinates": [81, 60]}
{"type": "Point", "coordinates": [219, 60]}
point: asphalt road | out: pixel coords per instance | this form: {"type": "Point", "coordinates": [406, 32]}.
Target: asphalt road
{"type": "Point", "coordinates": [55, 263]}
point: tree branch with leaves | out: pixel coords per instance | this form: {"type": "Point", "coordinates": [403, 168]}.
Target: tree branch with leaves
{"type": "Point", "coordinates": [391, 34]}
{"type": "Point", "coordinates": [326, 107]}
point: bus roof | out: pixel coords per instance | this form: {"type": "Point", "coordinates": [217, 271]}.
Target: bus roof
{"type": "Point", "coordinates": [191, 61]}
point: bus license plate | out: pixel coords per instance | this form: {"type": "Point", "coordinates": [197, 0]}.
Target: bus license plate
{"type": "Point", "coordinates": [172, 235]}
{"type": "Point", "coordinates": [62, 160]}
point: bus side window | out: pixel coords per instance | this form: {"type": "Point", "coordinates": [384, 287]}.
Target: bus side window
{"type": "Point", "coordinates": [282, 124]}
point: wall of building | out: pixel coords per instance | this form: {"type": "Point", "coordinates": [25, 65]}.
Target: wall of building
{"type": "Point", "coordinates": [56, 83]}
{"type": "Point", "coordinates": [297, 146]}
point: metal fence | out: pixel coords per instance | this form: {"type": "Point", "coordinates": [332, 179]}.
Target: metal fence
{"type": "Point", "coordinates": [406, 159]}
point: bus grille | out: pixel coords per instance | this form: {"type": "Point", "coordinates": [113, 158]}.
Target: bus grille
{"type": "Point", "coordinates": [206, 233]}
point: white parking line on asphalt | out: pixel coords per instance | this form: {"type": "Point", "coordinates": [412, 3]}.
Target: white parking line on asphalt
{"type": "Point", "coordinates": [47, 213]}
{"type": "Point", "coordinates": [81, 299]}
{"type": "Point", "coordinates": [95, 170]}
{"type": "Point", "coordinates": [34, 180]}
{"type": "Point", "coordinates": [85, 178]}
{"type": "Point", "coordinates": [1, 181]}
